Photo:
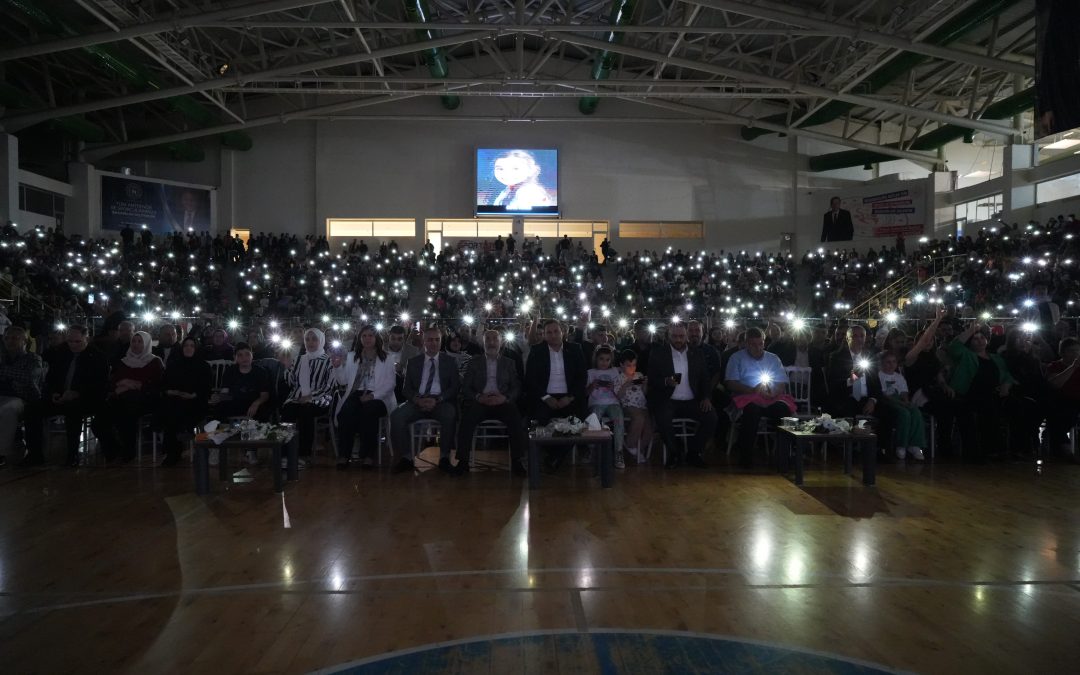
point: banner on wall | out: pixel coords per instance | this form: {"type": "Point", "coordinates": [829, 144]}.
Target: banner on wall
{"type": "Point", "coordinates": [162, 208]}
{"type": "Point", "coordinates": [885, 210]}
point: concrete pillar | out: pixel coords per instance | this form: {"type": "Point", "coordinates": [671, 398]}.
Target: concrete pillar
{"type": "Point", "coordinates": [9, 178]}
{"type": "Point", "coordinates": [84, 208]}
{"type": "Point", "coordinates": [1019, 195]}
{"type": "Point", "coordinates": [941, 182]}
{"type": "Point", "coordinates": [225, 212]}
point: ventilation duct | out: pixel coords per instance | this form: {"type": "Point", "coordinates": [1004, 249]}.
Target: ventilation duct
{"type": "Point", "coordinates": [139, 77]}
{"type": "Point", "coordinates": [622, 14]}
{"type": "Point", "coordinates": [417, 11]}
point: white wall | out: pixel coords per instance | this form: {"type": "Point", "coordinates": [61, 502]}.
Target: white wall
{"type": "Point", "coordinates": [299, 174]}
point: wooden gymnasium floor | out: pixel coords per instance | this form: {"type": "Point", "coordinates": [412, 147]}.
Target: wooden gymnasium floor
{"type": "Point", "coordinates": [940, 569]}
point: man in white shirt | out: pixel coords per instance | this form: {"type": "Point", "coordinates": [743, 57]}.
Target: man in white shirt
{"type": "Point", "coordinates": [754, 371]}
{"type": "Point", "coordinates": [678, 387]}
{"type": "Point", "coordinates": [555, 377]}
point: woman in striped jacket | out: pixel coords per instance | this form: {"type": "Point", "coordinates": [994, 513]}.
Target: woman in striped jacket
{"type": "Point", "coordinates": [311, 390]}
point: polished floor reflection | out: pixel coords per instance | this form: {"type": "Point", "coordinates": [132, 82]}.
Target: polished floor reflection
{"type": "Point", "coordinates": [941, 569]}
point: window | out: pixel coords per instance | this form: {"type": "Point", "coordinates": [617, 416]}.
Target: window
{"type": "Point", "coordinates": [978, 210]}
{"type": "Point", "coordinates": [363, 227]}
{"type": "Point", "coordinates": [41, 202]}
{"type": "Point", "coordinates": [1060, 188]}
{"type": "Point", "coordinates": [564, 228]}
{"type": "Point", "coordinates": [662, 230]}
{"type": "Point", "coordinates": [488, 228]}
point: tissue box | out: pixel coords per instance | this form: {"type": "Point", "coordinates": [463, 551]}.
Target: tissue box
{"type": "Point", "coordinates": [789, 422]}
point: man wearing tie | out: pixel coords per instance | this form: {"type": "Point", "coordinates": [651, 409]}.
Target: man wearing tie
{"type": "Point", "coordinates": [431, 390]}
{"type": "Point", "coordinates": [836, 225]}
{"type": "Point", "coordinates": [490, 390]}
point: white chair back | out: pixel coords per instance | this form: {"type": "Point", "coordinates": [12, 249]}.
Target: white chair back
{"type": "Point", "coordinates": [799, 387]}
{"type": "Point", "coordinates": [217, 370]}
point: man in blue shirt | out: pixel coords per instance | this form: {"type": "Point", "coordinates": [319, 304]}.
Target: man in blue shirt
{"type": "Point", "coordinates": [754, 371]}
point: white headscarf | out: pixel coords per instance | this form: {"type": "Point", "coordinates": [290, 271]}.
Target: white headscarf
{"type": "Point", "coordinates": [304, 373]}
{"type": "Point", "coordinates": [132, 360]}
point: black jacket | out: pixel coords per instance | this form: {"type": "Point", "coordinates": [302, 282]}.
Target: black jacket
{"type": "Point", "coordinates": [538, 372]}
{"type": "Point", "coordinates": [841, 230]}
{"type": "Point", "coordinates": [661, 367]}
{"type": "Point", "coordinates": [91, 379]}
{"type": "Point", "coordinates": [449, 378]}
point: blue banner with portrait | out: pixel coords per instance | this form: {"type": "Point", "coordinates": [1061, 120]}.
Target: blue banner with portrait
{"type": "Point", "coordinates": [162, 208]}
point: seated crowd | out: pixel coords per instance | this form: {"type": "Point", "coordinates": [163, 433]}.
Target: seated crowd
{"type": "Point", "coordinates": [637, 375]}
{"type": "Point", "coordinates": [989, 382]}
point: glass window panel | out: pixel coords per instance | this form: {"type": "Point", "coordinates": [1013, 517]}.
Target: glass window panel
{"type": "Point", "coordinates": [541, 228]}
{"type": "Point", "coordinates": [1060, 188]}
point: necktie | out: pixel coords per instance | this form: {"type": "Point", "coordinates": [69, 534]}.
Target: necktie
{"type": "Point", "coordinates": [430, 376]}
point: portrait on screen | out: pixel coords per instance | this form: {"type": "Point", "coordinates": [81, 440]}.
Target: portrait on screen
{"type": "Point", "coordinates": [516, 181]}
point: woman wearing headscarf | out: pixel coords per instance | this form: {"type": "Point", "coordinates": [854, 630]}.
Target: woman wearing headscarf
{"type": "Point", "coordinates": [186, 390]}
{"type": "Point", "coordinates": [311, 389]}
{"type": "Point", "coordinates": [134, 386]}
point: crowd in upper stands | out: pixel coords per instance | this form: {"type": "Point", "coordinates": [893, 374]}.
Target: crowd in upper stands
{"type": "Point", "coordinates": [1011, 366]}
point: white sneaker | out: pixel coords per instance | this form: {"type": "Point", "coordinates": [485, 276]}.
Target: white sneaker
{"type": "Point", "coordinates": [901, 453]}
{"type": "Point", "coordinates": [916, 452]}
{"type": "Point", "coordinates": [620, 463]}
{"type": "Point", "coordinates": [213, 458]}
{"type": "Point", "coordinates": [252, 458]}
{"type": "Point", "coordinates": [301, 463]}
{"type": "Point", "coordinates": [632, 451]}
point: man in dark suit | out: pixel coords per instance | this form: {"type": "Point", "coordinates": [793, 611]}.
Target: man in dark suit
{"type": "Point", "coordinates": [75, 385]}
{"type": "Point", "coordinates": [489, 391]}
{"type": "Point", "coordinates": [679, 387]}
{"type": "Point", "coordinates": [555, 377]}
{"type": "Point", "coordinates": [850, 369]}
{"type": "Point", "coordinates": [836, 225]}
{"type": "Point", "coordinates": [431, 391]}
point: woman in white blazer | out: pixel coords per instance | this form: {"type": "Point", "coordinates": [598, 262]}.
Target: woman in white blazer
{"type": "Point", "coordinates": [368, 378]}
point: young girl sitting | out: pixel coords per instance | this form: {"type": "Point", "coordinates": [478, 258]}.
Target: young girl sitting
{"type": "Point", "coordinates": [910, 432]}
{"type": "Point", "coordinates": [600, 386]}
{"type": "Point", "coordinates": [630, 388]}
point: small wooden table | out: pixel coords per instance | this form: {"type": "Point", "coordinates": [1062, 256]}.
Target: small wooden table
{"type": "Point", "coordinates": [201, 458]}
{"type": "Point", "coordinates": [790, 439]}
{"type": "Point", "coordinates": [602, 441]}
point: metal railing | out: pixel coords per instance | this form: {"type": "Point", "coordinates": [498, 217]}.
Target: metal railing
{"type": "Point", "coordinates": [891, 296]}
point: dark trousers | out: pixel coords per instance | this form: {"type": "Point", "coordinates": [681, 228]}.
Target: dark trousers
{"type": "Point", "coordinates": [232, 408]}
{"type": "Point", "coordinates": [405, 414]}
{"type": "Point", "coordinates": [544, 414]}
{"type": "Point", "coordinates": [359, 418]}
{"type": "Point", "coordinates": [748, 427]}
{"type": "Point", "coordinates": [34, 418]}
{"type": "Point", "coordinates": [304, 415]}
{"type": "Point", "coordinates": [473, 414]}
{"type": "Point", "coordinates": [116, 425]}
{"type": "Point", "coordinates": [666, 411]}
{"type": "Point", "coordinates": [979, 423]}
{"type": "Point", "coordinates": [177, 416]}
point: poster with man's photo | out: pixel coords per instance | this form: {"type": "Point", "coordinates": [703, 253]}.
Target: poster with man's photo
{"type": "Point", "coordinates": [161, 208]}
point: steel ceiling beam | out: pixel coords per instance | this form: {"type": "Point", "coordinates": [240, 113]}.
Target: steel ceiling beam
{"type": "Point", "coordinates": [97, 153]}
{"type": "Point", "coordinates": [874, 103]}
{"type": "Point", "coordinates": [505, 28]}
{"type": "Point", "coordinates": [771, 11]}
{"type": "Point", "coordinates": [176, 23]}
{"type": "Point", "coordinates": [17, 122]}
{"type": "Point", "coordinates": [918, 157]}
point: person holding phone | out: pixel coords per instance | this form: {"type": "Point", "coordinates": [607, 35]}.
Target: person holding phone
{"type": "Point", "coordinates": [603, 401]}
{"type": "Point", "coordinates": [630, 388]}
{"type": "Point", "coordinates": [679, 388]}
